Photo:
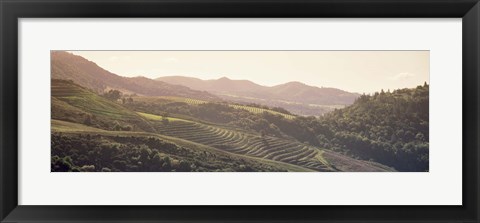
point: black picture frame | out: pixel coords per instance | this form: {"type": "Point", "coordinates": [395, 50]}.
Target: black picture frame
{"type": "Point", "coordinates": [12, 10]}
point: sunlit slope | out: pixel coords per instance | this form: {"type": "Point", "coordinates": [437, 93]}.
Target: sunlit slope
{"type": "Point", "coordinates": [71, 102]}
{"type": "Point", "coordinates": [191, 101]}
{"type": "Point", "coordinates": [207, 155]}
{"type": "Point", "coordinates": [252, 145]}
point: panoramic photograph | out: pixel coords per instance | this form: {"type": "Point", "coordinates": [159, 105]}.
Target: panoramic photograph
{"type": "Point", "coordinates": [239, 111]}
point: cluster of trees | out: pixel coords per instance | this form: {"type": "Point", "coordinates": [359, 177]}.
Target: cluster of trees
{"type": "Point", "coordinates": [113, 95]}
{"type": "Point", "coordinates": [99, 122]}
{"type": "Point", "coordinates": [96, 153]}
{"type": "Point", "coordinates": [391, 128]}
{"type": "Point", "coordinates": [73, 103]}
{"type": "Point", "coordinates": [277, 109]}
{"type": "Point", "coordinates": [116, 95]}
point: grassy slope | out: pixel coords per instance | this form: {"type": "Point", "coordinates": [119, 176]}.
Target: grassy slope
{"type": "Point", "coordinates": [160, 118]}
{"type": "Point", "coordinates": [70, 102]}
{"type": "Point", "coordinates": [196, 101]}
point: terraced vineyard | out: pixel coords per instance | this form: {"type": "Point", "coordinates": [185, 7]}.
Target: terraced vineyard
{"type": "Point", "coordinates": [87, 101]}
{"type": "Point", "coordinates": [186, 100]}
{"type": "Point", "coordinates": [61, 88]}
{"type": "Point", "coordinates": [262, 110]}
{"type": "Point", "coordinates": [265, 148]}
{"type": "Point", "coordinates": [245, 144]}
{"type": "Point", "coordinates": [73, 103]}
{"type": "Point", "coordinates": [251, 109]}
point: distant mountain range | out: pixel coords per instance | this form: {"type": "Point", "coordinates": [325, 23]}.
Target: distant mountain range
{"type": "Point", "coordinates": [86, 73]}
{"type": "Point", "coordinates": [291, 91]}
{"type": "Point", "coordinates": [294, 96]}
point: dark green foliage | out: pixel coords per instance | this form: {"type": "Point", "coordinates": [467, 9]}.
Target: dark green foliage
{"type": "Point", "coordinates": [389, 128]}
{"type": "Point", "coordinates": [113, 95]}
{"type": "Point", "coordinates": [96, 153]}
{"type": "Point", "coordinates": [277, 109]}
{"type": "Point", "coordinates": [281, 110]}
{"type": "Point", "coordinates": [64, 164]}
{"type": "Point", "coordinates": [298, 128]}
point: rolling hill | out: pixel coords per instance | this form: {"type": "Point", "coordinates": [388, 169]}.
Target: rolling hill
{"type": "Point", "coordinates": [68, 66]}
{"type": "Point", "coordinates": [296, 97]}
{"type": "Point", "coordinates": [391, 128]}
{"type": "Point", "coordinates": [97, 125]}
{"type": "Point", "coordinates": [74, 103]}
{"type": "Point", "coordinates": [300, 92]}
{"type": "Point", "coordinates": [220, 85]}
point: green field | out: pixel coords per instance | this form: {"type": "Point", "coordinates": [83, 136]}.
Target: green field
{"type": "Point", "coordinates": [262, 110]}
{"type": "Point", "coordinates": [160, 118]}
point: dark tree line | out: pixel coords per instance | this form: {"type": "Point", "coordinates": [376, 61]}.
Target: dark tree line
{"type": "Point", "coordinates": [97, 153]}
{"type": "Point", "coordinates": [389, 128]}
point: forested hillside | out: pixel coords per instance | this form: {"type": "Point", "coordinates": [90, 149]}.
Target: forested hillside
{"type": "Point", "coordinates": [389, 128]}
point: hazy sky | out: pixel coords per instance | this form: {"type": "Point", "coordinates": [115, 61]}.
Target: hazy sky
{"type": "Point", "coordinates": [354, 71]}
